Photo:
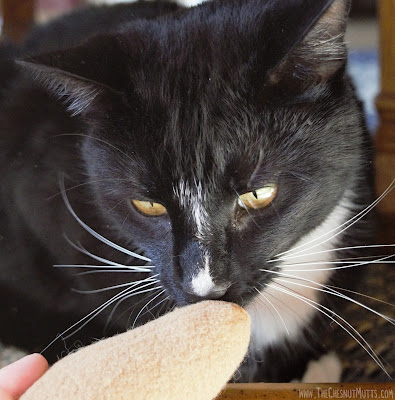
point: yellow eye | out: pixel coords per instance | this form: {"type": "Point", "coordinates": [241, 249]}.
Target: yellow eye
{"type": "Point", "coordinates": [149, 208]}
{"type": "Point", "coordinates": [258, 198]}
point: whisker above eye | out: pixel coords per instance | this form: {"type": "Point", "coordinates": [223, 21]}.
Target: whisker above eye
{"type": "Point", "coordinates": [93, 232]}
{"type": "Point", "coordinates": [97, 139]}
{"type": "Point", "coordinates": [249, 213]}
{"type": "Point", "coordinates": [115, 206]}
{"type": "Point", "coordinates": [87, 183]}
{"type": "Point", "coordinates": [298, 175]}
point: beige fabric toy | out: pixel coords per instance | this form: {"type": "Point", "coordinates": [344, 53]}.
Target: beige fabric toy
{"type": "Point", "coordinates": [189, 353]}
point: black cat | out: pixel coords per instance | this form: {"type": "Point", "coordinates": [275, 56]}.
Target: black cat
{"type": "Point", "coordinates": [217, 152]}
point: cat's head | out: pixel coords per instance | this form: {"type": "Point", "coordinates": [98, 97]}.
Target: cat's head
{"type": "Point", "coordinates": [217, 137]}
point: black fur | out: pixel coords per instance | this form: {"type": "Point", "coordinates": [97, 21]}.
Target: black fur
{"type": "Point", "coordinates": [227, 96]}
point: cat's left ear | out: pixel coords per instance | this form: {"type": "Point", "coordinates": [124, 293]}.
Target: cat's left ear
{"type": "Point", "coordinates": [317, 55]}
{"type": "Point", "coordinates": [82, 77]}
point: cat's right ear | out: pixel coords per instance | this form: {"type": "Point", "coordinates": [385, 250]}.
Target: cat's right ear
{"type": "Point", "coordinates": [309, 50]}
{"type": "Point", "coordinates": [84, 78]}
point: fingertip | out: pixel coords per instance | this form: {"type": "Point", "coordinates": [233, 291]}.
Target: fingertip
{"type": "Point", "coordinates": [5, 395]}
{"type": "Point", "coordinates": [38, 361]}
{"type": "Point", "coordinates": [16, 378]}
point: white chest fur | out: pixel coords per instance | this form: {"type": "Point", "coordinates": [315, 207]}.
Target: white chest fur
{"type": "Point", "coordinates": [284, 308]}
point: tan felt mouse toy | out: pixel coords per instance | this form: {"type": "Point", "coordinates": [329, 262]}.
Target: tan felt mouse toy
{"type": "Point", "coordinates": [189, 353]}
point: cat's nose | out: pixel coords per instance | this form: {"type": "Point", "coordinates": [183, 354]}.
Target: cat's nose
{"type": "Point", "coordinates": [213, 292]}
{"type": "Point", "coordinates": [198, 281]}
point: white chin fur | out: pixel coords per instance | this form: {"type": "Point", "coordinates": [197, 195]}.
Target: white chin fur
{"type": "Point", "coordinates": [189, 3]}
{"type": "Point", "coordinates": [268, 327]}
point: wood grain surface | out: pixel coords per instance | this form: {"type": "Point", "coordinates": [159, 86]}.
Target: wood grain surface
{"type": "Point", "coordinates": [385, 138]}
{"type": "Point", "coordinates": [293, 391]}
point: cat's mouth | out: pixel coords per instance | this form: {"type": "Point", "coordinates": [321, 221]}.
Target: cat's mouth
{"type": "Point", "coordinates": [203, 288]}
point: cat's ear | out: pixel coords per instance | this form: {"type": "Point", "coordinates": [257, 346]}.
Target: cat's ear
{"type": "Point", "coordinates": [82, 77]}
{"type": "Point", "coordinates": [318, 52]}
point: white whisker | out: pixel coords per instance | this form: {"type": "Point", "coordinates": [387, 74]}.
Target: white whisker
{"type": "Point", "coordinates": [116, 205]}
{"type": "Point", "coordinates": [108, 268]}
{"type": "Point", "coordinates": [331, 250]}
{"type": "Point", "coordinates": [93, 232]}
{"type": "Point", "coordinates": [120, 301]}
{"type": "Point", "coordinates": [93, 314]}
{"type": "Point", "coordinates": [350, 222]}
{"type": "Point", "coordinates": [116, 267]}
{"type": "Point", "coordinates": [249, 213]}
{"type": "Point", "coordinates": [275, 309]}
{"type": "Point", "coordinates": [352, 265]}
{"type": "Point", "coordinates": [319, 307]}
{"type": "Point", "coordinates": [361, 294]}
{"type": "Point", "coordinates": [130, 284]}
{"type": "Point", "coordinates": [168, 301]}
{"type": "Point", "coordinates": [338, 294]}
{"type": "Point", "coordinates": [156, 305]}
{"type": "Point", "coordinates": [106, 271]}
{"type": "Point", "coordinates": [329, 290]}
{"type": "Point", "coordinates": [165, 300]}
{"type": "Point", "coordinates": [87, 183]}
{"type": "Point", "coordinates": [153, 299]}
{"type": "Point", "coordinates": [288, 309]}
{"type": "Point", "coordinates": [99, 140]}
{"type": "Point", "coordinates": [82, 250]}
{"type": "Point", "coordinates": [350, 262]}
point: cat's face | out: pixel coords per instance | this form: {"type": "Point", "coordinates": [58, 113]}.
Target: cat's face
{"type": "Point", "coordinates": [221, 151]}
{"type": "Point", "coordinates": [193, 167]}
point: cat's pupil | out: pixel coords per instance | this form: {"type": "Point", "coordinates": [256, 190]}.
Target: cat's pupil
{"type": "Point", "coordinates": [149, 208]}
{"type": "Point", "coordinates": [258, 198]}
